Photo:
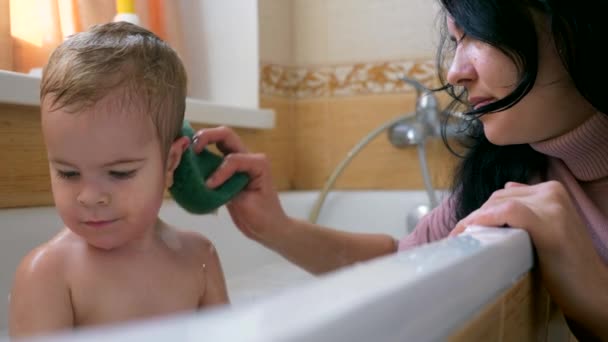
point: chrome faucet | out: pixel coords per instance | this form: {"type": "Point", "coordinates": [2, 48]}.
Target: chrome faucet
{"type": "Point", "coordinates": [415, 130]}
{"type": "Point", "coordinates": [427, 120]}
{"type": "Point", "coordinates": [411, 129]}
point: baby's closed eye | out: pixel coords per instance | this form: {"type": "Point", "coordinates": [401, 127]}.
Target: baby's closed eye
{"type": "Point", "coordinates": [68, 174]}
{"type": "Point", "coordinates": [123, 174]}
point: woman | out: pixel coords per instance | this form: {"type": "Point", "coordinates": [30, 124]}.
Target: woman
{"type": "Point", "coordinates": [529, 72]}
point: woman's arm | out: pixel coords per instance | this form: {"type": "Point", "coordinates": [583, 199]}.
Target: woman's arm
{"type": "Point", "coordinates": [257, 212]}
{"type": "Point", "coordinates": [319, 249]}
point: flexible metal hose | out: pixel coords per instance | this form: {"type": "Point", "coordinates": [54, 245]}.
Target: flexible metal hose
{"type": "Point", "coordinates": [314, 215]}
{"type": "Point", "coordinates": [426, 175]}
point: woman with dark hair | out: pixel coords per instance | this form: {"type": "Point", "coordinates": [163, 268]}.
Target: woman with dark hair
{"type": "Point", "coordinates": [530, 72]}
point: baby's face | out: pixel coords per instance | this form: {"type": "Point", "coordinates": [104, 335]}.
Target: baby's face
{"type": "Point", "coordinates": [108, 177]}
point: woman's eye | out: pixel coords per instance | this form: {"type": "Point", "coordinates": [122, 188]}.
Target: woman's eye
{"type": "Point", "coordinates": [122, 174]}
{"type": "Point", "coordinates": [455, 41]}
{"type": "Point", "coordinates": [68, 174]}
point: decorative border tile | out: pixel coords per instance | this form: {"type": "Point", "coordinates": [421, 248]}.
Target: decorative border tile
{"type": "Point", "coordinates": [344, 80]}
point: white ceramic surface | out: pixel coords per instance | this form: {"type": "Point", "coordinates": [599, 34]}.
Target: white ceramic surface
{"type": "Point", "coordinates": [417, 295]}
{"type": "Point", "coordinates": [251, 270]}
{"type": "Point", "coordinates": [24, 89]}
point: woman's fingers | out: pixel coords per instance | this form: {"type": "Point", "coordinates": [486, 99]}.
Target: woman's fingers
{"type": "Point", "coordinates": [511, 190]}
{"type": "Point", "coordinates": [255, 165]}
{"type": "Point", "coordinates": [461, 225]}
{"type": "Point", "coordinates": [510, 212]}
{"type": "Point", "coordinates": [226, 140]}
{"type": "Point", "coordinates": [510, 185]}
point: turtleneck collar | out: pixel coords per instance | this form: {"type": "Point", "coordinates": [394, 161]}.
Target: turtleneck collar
{"type": "Point", "coordinates": [584, 149]}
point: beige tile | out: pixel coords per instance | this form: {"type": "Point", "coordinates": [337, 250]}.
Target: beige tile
{"type": "Point", "coordinates": [519, 312]}
{"type": "Point", "coordinates": [486, 326]}
{"type": "Point", "coordinates": [310, 32]}
{"type": "Point", "coordinates": [527, 310]}
{"type": "Point", "coordinates": [363, 30]}
{"type": "Point", "coordinates": [310, 138]}
{"type": "Point", "coordinates": [313, 139]}
{"type": "Point", "coordinates": [526, 316]}
{"type": "Point", "coordinates": [327, 129]}
{"type": "Point", "coordinates": [24, 180]}
{"type": "Point", "coordinates": [379, 164]}
{"type": "Point", "coordinates": [276, 31]}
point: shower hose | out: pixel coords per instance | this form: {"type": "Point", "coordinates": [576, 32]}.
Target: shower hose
{"type": "Point", "coordinates": [314, 215]}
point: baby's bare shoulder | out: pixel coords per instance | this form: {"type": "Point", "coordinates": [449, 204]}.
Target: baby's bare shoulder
{"type": "Point", "coordinates": [40, 296]}
{"type": "Point", "coordinates": [196, 242]}
{"type": "Point", "coordinates": [201, 252]}
{"type": "Point", "coordinates": [46, 260]}
{"type": "Point", "coordinates": [195, 245]}
{"type": "Point", "coordinates": [43, 271]}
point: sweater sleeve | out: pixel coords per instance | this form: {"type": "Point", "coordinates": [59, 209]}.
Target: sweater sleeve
{"type": "Point", "coordinates": [435, 225]}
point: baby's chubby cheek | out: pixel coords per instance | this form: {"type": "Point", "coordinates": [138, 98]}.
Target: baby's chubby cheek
{"type": "Point", "coordinates": [145, 201]}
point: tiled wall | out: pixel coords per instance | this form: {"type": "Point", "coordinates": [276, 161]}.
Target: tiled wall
{"type": "Point", "coordinates": [352, 31]}
{"type": "Point", "coordinates": [524, 312]}
{"type": "Point", "coordinates": [340, 62]}
{"type": "Point", "coordinates": [330, 69]}
{"type": "Point", "coordinates": [221, 50]}
{"type": "Point", "coordinates": [24, 176]}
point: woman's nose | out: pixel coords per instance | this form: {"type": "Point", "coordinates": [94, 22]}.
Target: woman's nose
{"type": "Point", "coordinates": [462, 71]}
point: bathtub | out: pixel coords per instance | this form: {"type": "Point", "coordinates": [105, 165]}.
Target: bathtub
{"type": "Point", "coordinates": [272, 300]}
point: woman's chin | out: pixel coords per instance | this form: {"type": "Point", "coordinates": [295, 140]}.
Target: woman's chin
{"type": "Point", "coordinates": [500, 138]}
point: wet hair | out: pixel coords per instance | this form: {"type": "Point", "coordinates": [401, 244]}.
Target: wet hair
{"type": "Point", "coordinates": [121, 59]}
{"type": "Point", "coordinates": [578, 28]}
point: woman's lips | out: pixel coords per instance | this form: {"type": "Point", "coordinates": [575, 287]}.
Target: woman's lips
{"type": "Point", "coordinates": [478, 102]}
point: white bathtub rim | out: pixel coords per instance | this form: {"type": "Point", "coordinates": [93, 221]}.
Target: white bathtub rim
{"type": "Point", "coordinates": [303, 313]}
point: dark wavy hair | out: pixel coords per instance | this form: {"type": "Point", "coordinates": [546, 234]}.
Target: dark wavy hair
{"type": "Point", "coordinates": [578, 28]}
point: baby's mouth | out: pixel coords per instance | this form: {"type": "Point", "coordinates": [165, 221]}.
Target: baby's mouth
{"type": "Point", "coordinates": [99, 223]}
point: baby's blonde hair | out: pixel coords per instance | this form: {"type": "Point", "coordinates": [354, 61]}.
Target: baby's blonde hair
{"type": "Point", "coordinates": [89, 65]}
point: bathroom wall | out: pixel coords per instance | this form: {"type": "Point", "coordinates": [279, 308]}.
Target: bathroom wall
{"type": "Point", "coordinates": [24, 174]}
{"type": "Point", "coordinates": [24, 171]}
{"type": "Point", "coordinates": [524, 312]}
{"type": "Point", "coordinates": [329, 69]}
{"type": "Point", "coordinates": [339, 63]}
{"type": "Point", "coordinates": [221, 54]}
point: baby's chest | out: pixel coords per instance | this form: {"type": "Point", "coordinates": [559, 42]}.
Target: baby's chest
{"type": "Point", "coordinates": [124, 293]}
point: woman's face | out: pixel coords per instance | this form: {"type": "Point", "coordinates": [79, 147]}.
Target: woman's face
{"type": "Point", "coordinates": [552, 107]}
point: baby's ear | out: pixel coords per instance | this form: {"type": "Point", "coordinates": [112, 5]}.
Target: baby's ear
{"type": "Point", "coordinates": [177, 149]}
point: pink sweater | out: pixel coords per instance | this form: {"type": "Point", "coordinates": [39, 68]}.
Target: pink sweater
{"type": "Point", "coordinates": [578, 159]}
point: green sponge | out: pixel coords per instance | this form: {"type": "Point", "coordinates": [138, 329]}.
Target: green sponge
{"type": "Point", "coordinates": [189, 189]}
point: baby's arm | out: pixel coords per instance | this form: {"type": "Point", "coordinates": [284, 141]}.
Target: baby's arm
{"type": "Point", "coordinates": [215, 292]}
{"type": "Point", "coordinates": [40, 298]}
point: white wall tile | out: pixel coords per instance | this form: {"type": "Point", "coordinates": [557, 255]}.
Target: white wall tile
{"type": "Point", "coordinates": [276, 31]}
{"type": "Point", "coordinates": [311, 35]}
{"type": "Point", "coordinates": [370, 30]}
{"type": "Point", "coordinates": [347, 31]}
{"type": "Point", "coordinates": [221, 50]}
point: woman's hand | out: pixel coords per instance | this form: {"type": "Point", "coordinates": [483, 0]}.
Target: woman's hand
{"type": "Point", "coordinates": [256, 211]}
{"type": "Point", "coordinates": [572, 271]}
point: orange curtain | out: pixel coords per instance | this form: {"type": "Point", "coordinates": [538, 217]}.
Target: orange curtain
{"type": "Point", "coordinates": [31, 29]}
{"type": "Point", "coordinates": [6, 41]}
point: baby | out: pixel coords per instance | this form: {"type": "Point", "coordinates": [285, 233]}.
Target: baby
{"type": "Point", "coordinates": [112, 106]}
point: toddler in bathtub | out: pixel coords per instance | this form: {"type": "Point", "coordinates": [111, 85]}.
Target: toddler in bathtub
{"type": "Point", "coordinates": [112, 103]}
